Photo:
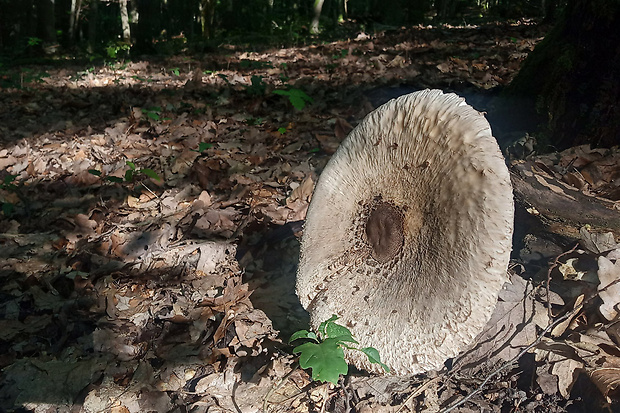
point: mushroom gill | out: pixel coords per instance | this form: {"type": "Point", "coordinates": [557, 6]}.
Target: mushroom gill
{"type": "Point", "coordinates": [408, 235]}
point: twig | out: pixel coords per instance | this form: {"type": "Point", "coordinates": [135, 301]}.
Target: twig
{"type": "Point", "coordinates": [515, 358]}
{"type": "Point", "coordinates": [275, 387]}
{"type": "Point", "coordinates": [149, 189]}
{"type": "Point", "coordinates": [326, 397]}
{"type": "Point", "coordinates": [553, 265]}
{"type": "Point", "coordinates": [417, 392]}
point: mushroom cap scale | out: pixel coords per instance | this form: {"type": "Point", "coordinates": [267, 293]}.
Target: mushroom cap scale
{"type": "Point", "coordinates": [408, 234]}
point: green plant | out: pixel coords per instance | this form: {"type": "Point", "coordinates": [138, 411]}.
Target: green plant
{"type": "Point", "coordinates": [34, 41]}
{"type": "Point", "coordinates": [203, 146]}
{"type": "Point", "coordinates": [130, 174]}
{"type": "Point", "coordinates": [324, 352]}
{"type": "Point", "coordinates": [257, 88]}
{"type": "Point", "coordinates": [175, 71]}
{"type": "Point", "coordinates": [7, 184]}
{"type": "Point", "coordinates": [113, 49]}
{"type": "Point", "coordinates": [153, 112]}
{"type": "Point", "coordinates": [297, 97]}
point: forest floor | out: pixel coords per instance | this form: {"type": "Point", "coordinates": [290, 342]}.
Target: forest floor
{"type": "Point", "coordinates": [148, 235]}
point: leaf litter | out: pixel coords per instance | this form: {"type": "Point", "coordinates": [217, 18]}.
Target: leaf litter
{"type": "Point", "coordinates": [178, 295]}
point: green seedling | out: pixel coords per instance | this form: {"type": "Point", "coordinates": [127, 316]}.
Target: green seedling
{"type": "Point", "coordinates": [257, 88]}
{"type": "Point", "coordinates": [282, 130]}
{"type": "Point", "coordinates": [7, 184]}
{"type": "Point", "coordinates": [203, 146]}
{"type": "Point", "coordinates": [116, 48]}
{"type": "Point", "coordinates": [130, 174]}
{"type": "Point", "coordinates": [297, 97]}
{"type": "Point", "coordinates": [175, 71]}
{"type": "Point", "coordinates": [34, 41]}
{"type": "Point", "coordinates": [324, 351]}
{"type": "Point", "coordinates": [153, 113]}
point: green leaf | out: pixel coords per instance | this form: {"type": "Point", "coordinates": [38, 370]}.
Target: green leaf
{"type": "Point", "coordinates": [303, 334]}
{"type": "Point", "coordinates": [323, 325]}
{"type": "Point", "coordinates": [301, 94]}
{"type": "Point", "coordinates": [297, 102]}
{"type": "Point", "coordinates": [373, 356]}
{"type": "Point", "coordinates": [129, 175]}
{"type": "Point", "coordinates": [203, 146]}
{"type": "Point", "coordinates": [282, 92]}
{"type": "Point", "coordinates": [131, 165]}
{"type": "Point", "coordinates": [340, 333]}
{"type": "Point", "coordinates": [282, 130]}
{"type": "Point", "coordinates": [7, 209]}
{"type": "Point", "coordinates": [94, 172]}
{"type": "Point", "coordinates": [326, 360]}
{"type": "Point", "coordinates": [9, 178]}
{"type": "Point", "coordinates": [152, 115]}
{"type": "Point", "coordinates": [150, 173]}
{"type": "Point", "coordinates": [115, 179]}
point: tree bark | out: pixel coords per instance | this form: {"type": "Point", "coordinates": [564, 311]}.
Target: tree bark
{"type": "Point", "coordinates": [74, 18]}
{"type": "Point", "coordinates": [93, 20]}
{"type": "Point", "coordinates": [125, 21]}
{"type": "Point", "coordinates": [207, 14]}
{"type": "Point", "coordinates": [318, 6]}
{"type": "Point", "coordinates": [572, 77]}
{"type": "Point", "coordinates": [47, 21]}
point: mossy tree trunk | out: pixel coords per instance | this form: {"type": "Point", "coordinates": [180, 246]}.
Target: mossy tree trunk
{"type": "Point", "coordinates": [573, 76]}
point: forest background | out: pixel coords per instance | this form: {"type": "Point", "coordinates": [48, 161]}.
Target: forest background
{"type": "Point", "coordinates": [171, 25]}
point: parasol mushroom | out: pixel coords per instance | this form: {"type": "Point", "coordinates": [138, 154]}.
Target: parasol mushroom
{"type": "Point", "coordinates": [408, 234]}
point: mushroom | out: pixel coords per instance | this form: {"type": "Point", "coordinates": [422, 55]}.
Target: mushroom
{"type": "Point", "coordinates": [408, 235]}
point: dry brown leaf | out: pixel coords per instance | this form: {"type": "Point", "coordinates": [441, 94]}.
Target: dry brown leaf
{"type": "Point", "coordinates": [597, 243]}
{"type": "Point", "coordinates": [609, 287]}
{"type": "Point", "coordinates": [607, 380]}
{"type": "Point", "coordinates": [512, 326]}
{"type": "Point", "coordinates": [302, 192]}
{"type": "Point", "coordinates": [567, 370]}
{"type": "Point", "coordinates": [329, 143]}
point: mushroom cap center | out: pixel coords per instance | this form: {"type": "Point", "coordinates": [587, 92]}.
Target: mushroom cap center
{"type": "Point", "coordinates": [384, 232]}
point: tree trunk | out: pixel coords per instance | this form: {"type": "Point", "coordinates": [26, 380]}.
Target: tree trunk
{"type": "Point", "coordinates": [93, 18]}
{"type": "Point", "coordinates": [207, 14]}
{"type": "Point", "coordinates": [74, 18]}
{"type": "Point", "coordinates": [149, 25]}
{"type": "Point", "coordinates": [318, 6]}
{"type": "Point", "coordinates": [47, 21]}
{"type": "Point", "coordinates": [125, 21]}
{"type": "Point", "coordinates": [572, 77]}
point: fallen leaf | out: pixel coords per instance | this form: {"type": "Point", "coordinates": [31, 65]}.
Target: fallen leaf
{"type": "Point", "coordinates": [609, 287]}
{"type": "Point", "coordinates": [607, 380]}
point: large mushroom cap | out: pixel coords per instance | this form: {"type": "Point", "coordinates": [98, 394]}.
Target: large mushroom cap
{"type": "Point", "coordinates": [408, 234]}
